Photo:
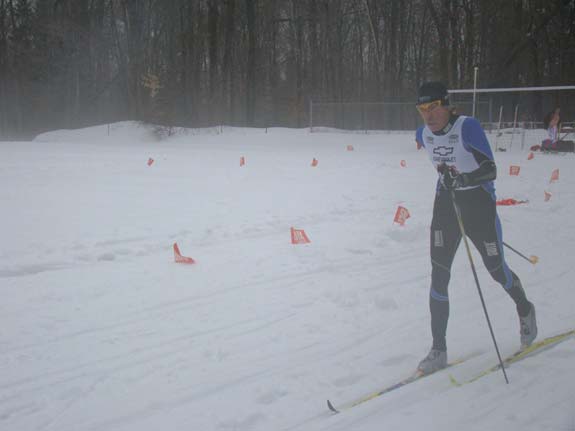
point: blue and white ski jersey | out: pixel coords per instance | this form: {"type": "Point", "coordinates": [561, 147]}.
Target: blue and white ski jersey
{"type": "Point", "coordinates": [463, 145]}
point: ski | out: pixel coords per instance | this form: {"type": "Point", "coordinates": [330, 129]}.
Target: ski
{"type": "Point", "coordinates": [533, 349]}
{"type": "Point", "coordinates": [413, 378]}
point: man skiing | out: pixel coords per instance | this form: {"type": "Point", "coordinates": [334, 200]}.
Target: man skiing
{"type": "Point", "coordinates": [460, 152]}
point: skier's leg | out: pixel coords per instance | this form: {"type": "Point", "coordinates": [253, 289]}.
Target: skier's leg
{"type": "Point", "coordinates": [485, 232]}
{"type": "Point", "coordinates": [484, 229]}
{"type": "Point", "coordinates": [444, 240]}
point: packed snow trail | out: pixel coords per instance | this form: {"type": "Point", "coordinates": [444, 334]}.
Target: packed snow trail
{"type": "Point", "coordinates": [101, 330]}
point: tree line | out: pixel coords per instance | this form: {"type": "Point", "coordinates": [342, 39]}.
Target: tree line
{"type": "Point", "coordinates": [72, 63]}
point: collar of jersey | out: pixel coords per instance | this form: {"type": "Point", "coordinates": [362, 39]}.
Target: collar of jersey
{"type": "Point", "coordinates": [447, 127]}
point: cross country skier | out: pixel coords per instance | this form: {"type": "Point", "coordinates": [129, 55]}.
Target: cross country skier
{"type": "Point", "coordinates": [459, 150]}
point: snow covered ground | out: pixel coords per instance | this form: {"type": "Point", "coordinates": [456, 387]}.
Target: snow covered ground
{"type": "Point", "coordinates": [101, 330]}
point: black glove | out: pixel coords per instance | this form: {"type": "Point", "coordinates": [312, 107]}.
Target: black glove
{"type": "Point", "coordinates": [450, 178]}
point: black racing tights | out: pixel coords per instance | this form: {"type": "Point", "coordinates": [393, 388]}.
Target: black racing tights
{"type": "Point", "coordinates": [482, 227]}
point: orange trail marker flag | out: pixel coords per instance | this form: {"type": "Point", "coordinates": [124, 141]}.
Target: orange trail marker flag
{"type": "Point", "coordinates": [150, 161]}
{"type": "Point", "coordinates": [314, 162]}
{"type": "Point", "coordinates": [510, 201]}
{"type": "Point", "coordinates": [298, 236]}
{"type": "Point", "coordinates": [547, 196]}
{"type": "Point", "coordinates": [514, 170]}
{"type": "Point", "coordinates": [530, 156]}
{"type": "Point", "coordinates": [401, 215]}
{"type": "Point", "coordinates": [554, 176]}
{"type": "Point", "coordinates": [242, 161]}
{"type": "Point", "coordinates": [179, 258]}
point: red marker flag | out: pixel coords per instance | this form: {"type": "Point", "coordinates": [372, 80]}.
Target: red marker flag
{"type": "Point", "coordinates": [179, 258]}
{"type": "Point", "coordinates": [514, 170]}
{"type": "Point", "coordinates": [298, 236]}
{"type": "Point", "coordinates": [554, 176]}
{"type": "Point", "coordinates": [401, 215]}
{"type": "Point", "coordinates": [510, 201]}
{"type": "Point", "coordinates": [150, 161]}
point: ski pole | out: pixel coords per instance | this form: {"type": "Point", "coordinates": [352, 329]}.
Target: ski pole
{"type": "Point", "coordinates": [462, 230]}
{"type": "Point", "coordinates": [532, 259]}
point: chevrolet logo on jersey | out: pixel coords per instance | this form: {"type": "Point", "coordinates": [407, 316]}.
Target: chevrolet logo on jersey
{"type": "Point", "coordinates": [443, 151]}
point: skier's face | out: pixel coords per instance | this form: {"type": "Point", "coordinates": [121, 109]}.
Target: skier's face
{"type": "Point", "coordinates": [434, 114]}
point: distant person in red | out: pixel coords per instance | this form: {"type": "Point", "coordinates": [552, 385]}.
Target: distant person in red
{"type": "Point", "coordinates": [552, 123]}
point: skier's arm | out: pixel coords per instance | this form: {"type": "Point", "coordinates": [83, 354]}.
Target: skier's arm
{"type": "Point", "coordinates": [451, 179]}
{"type": "Point", "coordinates": [476, 142]}
{"type": "Point", "coordinates": [419, 137]}
{"type": "Point", "coordinates": [487, 171]}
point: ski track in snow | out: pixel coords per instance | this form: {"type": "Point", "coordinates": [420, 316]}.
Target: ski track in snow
{"type": "Point", "coordinates": [102, 331]}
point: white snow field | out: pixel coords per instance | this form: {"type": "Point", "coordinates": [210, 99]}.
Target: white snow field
{"type": "Point", "coordinates": [101, 330]}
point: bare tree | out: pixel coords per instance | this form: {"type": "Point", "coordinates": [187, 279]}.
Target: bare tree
{"type": "Point", "coordinates": [69, 63]}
